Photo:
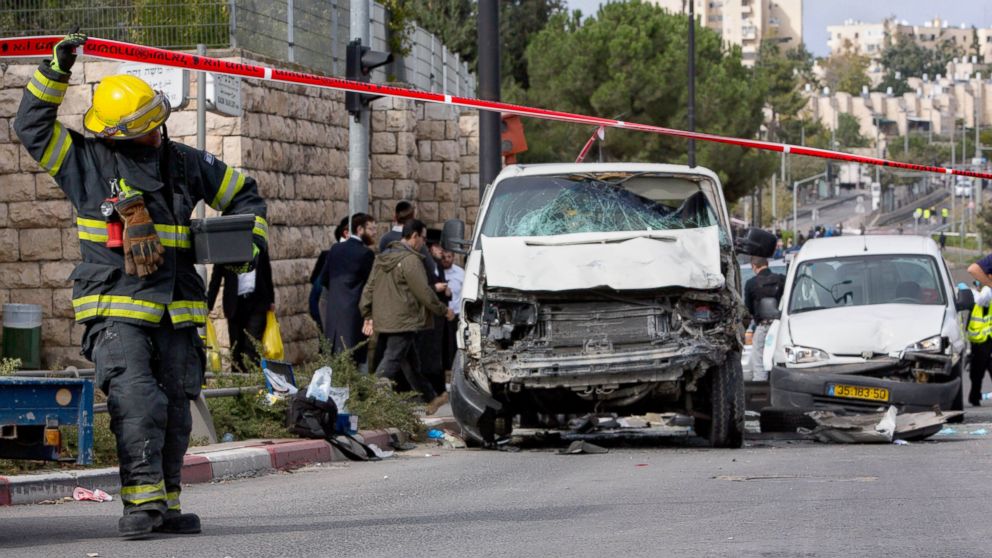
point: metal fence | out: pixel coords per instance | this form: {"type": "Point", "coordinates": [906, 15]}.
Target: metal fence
{"type": "Point", "coordinates": [170, 24]}
{"type": "Point", "coordinates": [311, 33]}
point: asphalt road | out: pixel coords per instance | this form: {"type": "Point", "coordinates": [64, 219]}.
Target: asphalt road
{"type": "Point", "coordinates": [772, 499]}
{"type": "Point", "coordinates": [829, 217]}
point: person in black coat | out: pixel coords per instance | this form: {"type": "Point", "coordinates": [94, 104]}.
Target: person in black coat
{"type": "Point", "coordinates": [316, 288]}
{"type": "Point", "coordinates": [346, 270]}
{"type": "Point", "coordinates": [245, 312]}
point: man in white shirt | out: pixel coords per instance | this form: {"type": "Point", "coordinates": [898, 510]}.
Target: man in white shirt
{"type": "Point", "coordinates": [455, 277]}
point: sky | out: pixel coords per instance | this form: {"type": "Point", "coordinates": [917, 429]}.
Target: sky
{"type": "Point", "coordinates": [818, 14]}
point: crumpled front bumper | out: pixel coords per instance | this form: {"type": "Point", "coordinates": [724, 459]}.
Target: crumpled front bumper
{"type": "Point", "coordinates": [807, 389]}
{"type": "Point", "coordinates": [474, 409]}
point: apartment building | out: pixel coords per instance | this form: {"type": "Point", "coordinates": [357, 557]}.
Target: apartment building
{"type": "Point", "coordinates": [748, 22]}
{"type": "Point", "coordinates": [871, 38]}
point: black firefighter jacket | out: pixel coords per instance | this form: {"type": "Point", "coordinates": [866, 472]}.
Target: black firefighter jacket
{"type": "Point", "coordinates": [173, 178]}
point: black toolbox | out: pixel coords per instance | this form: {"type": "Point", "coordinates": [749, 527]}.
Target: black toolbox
{"type": "Point", "coordinates": [223, 240]}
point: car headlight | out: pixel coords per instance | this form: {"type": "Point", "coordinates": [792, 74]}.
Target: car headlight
{"type": "Point", "coordinates": [804, 355]}
{"type": "Point", "coordinates": [929, 345]}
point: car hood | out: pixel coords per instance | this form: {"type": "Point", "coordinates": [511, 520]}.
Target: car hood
{"type": "Point", "coordinates": [855, 330]}
{"type": "Point", "coordinates": [688, 258]}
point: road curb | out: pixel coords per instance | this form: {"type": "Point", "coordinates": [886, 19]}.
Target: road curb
{"type": "Point", "coordinates": [31, 489]}
{"type": "Point", "coordinates": [205, 464]}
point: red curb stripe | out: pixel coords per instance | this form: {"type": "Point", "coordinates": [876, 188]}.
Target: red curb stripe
{"type": "Point", "coordinates": [4, 492]}
{"type": "Point", "coordinates": [298, 453]}
{"type": "Point", "coordinates": [197, 469]}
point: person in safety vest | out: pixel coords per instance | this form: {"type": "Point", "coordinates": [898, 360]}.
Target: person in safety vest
{"type": "Point", "coordinates": [136, 289]}
{"type": "Point", "coordinates": [980, 329]}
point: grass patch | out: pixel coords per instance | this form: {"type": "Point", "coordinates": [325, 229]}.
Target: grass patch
{"type": "Point", "coordinates": [970, 243]}
{"type": "Point", "coordinates": [249, 415]}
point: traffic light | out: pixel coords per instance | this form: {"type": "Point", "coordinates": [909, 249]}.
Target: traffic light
{"type": "Point", "coordinates": [359, 63]}
{"type": "Point", "coordinates": [512, 140]}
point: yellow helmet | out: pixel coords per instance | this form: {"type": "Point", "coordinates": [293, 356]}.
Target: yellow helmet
{"type": "Point", "coordinates": [125, 107]}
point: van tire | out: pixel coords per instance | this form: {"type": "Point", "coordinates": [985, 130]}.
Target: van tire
{"type": "Point", "coordinates": [725, 429]}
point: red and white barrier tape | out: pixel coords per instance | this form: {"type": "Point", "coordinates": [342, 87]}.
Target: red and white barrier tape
{"type": "Point", "coordinates": [127, 52]}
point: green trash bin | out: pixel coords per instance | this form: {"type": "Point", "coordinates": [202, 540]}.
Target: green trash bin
{"type": "Point", "coordinates": [22, 334]}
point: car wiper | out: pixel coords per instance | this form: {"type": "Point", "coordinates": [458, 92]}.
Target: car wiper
{"type": "Point", "coordinates": [810, 309]}
{"type": "Point", "coordinates": [653, 235]}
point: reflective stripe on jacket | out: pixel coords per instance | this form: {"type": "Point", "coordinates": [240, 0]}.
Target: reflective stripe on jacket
{"type": "Point", "coordinates": [172, 179]}
{"type": "Point", "coordinates": [978, 325]}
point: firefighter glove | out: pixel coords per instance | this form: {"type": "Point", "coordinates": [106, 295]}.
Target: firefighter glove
{"type": "Point", "coordinates": [64, 53]}
{"type": "Point", "coordinates": [142, 248]}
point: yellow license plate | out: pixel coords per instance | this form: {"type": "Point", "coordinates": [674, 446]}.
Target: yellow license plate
{"type": "Point", "coordinates": [858, 392]}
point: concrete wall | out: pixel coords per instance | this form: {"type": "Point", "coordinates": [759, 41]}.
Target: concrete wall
{"type": "Point", "coordinates": [293, 140]}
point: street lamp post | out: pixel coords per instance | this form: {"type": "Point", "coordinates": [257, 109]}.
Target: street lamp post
{"type": "Point", "coordinates": [795, 200]}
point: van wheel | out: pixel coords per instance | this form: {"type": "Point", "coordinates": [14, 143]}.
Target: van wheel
{"type": "Point", "coordinates": [725, 428]}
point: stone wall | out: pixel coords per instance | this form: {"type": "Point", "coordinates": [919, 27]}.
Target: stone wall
{"type": "Point", "coordinates": [292, 139]}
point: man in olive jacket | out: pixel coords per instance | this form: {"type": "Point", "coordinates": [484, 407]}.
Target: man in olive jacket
{"type": "Point", "coordinates": [397, 302]}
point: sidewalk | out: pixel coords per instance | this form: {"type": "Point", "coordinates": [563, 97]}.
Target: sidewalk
{"type": "Point", "coordinates": [202, 464]}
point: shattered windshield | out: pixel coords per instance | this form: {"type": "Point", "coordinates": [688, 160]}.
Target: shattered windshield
{"type": "Point", "coordinates": [865, 280]}
{"type": "Point", "coordinates": [554, 205]}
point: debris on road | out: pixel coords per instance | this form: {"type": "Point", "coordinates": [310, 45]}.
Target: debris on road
{"type": "Point", "coordinates": [919, 426]}
{"type": "Point", "coordinates": [379, 452]}
{"type": "Point", "coordinates": [872, 428]}
{"type": "Point", "coordinates": [579, 447]}
{"type": "Point", "coordinates": [881, 427]}
{"type": "Point", "coordinates": [80, 494]}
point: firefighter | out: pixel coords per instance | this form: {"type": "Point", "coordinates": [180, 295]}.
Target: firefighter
{"type": "Point", "coordinates": [136, 290]}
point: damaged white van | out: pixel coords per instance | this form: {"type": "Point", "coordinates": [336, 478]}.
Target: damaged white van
{"type": "Point", "coordinates": [601, 287]}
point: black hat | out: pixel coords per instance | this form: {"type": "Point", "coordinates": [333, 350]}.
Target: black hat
{"type": "Point", "coordinates": [433, 236]}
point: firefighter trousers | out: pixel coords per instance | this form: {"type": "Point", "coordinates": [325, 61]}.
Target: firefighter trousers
{"type": "Point", "coordinates": [149, 375]}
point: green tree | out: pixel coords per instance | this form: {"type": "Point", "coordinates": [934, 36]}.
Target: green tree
{"type": "Point", "coordinates": [849, 131]}
{"type": "Point", "coordinates": [845, 70]}
{"type": "Point", "coordinates": [455, 22]}
{"type": "Point", "coordinates": [629, 61]}
{"type": "Point", "coordinates": [783, 76]}
{"type": "Point", "coordinates": [904, 57]}
{"type": "Point", "coordinates": [976, 46]}
{"type": "Point", "coordinates": [519, 21]}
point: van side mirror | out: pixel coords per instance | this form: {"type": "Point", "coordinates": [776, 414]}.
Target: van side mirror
{"type": "Point", "coordinates": [964, 300]}
{"type": "Point", "coordinates": [767, 309]}
{"type": "Point", "coordinates": [453, 236]}
{"type": "Point", "coordinates": [756, 242]}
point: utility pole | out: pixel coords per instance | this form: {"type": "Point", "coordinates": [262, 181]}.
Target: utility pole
{"type": "Point", "coordinates": [359, 126]}
{"type": "Point", "coordinates": [979, 182]}
{"type": "Point", "coordinates": [490, 160]}
{"type": "Point", "coordinates": [692, 80]}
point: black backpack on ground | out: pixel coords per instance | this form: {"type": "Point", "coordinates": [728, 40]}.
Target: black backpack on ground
{"type": "Point", "coordinates": [311, 418]}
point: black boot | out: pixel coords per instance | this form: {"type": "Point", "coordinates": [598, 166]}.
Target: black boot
{"type": "Point", "coordinates": [138, 524]}
{"type": "Point", "coordinates": [179, 523]}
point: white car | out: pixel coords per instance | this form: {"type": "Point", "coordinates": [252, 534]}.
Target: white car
{"type": "Point", "coordinates": [867, 321]}
{"type": "Point", "coordinates": [963, 188]}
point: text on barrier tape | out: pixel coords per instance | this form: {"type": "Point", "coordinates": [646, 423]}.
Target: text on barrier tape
{"type": "Point", "coordinates": [127, 52]}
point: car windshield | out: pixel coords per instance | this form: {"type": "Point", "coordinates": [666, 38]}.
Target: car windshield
{"type": "Point", "coordinates": [566, 204]}
{"type": "Point", "coordinates": [865, 280]}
